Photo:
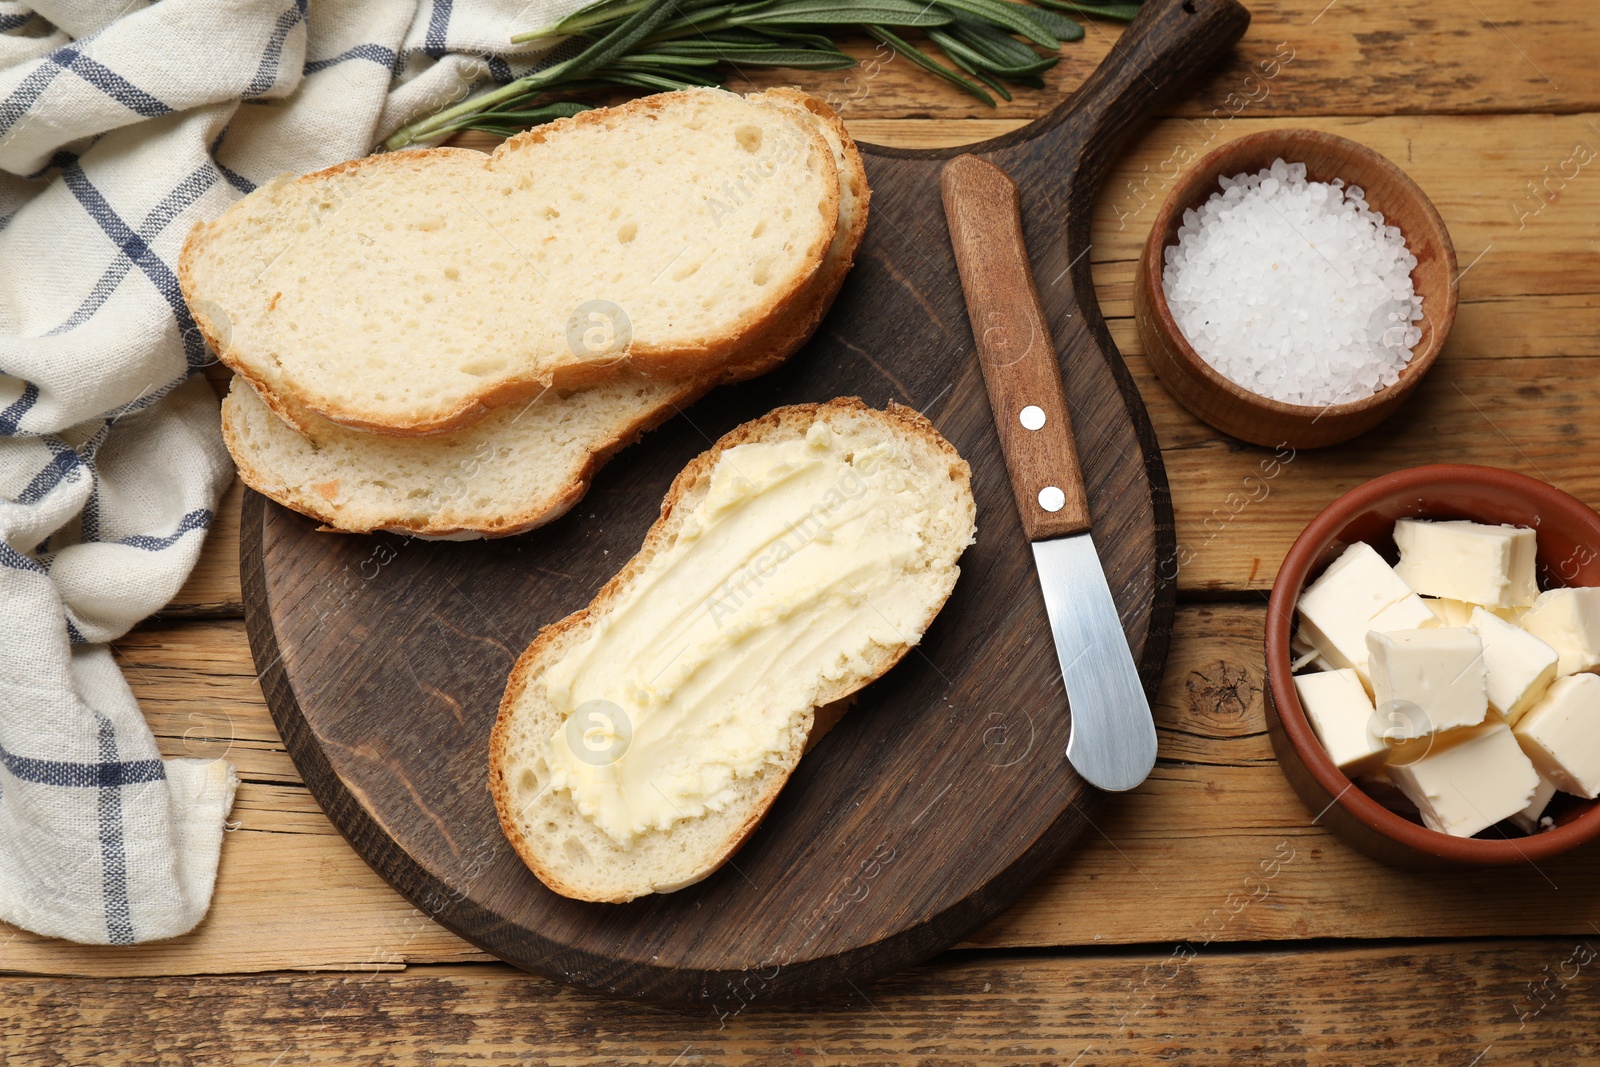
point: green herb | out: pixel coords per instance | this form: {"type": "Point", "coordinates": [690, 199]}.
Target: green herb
{"type": "Point", "coordinates": [659, 45]}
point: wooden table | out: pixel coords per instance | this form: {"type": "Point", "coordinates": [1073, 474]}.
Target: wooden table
{"type": "Point", "coordinates": [1160, 937]}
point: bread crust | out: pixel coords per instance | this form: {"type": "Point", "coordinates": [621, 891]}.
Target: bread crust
{"type": "Point", "coordinates": [775, 344]}
{"type": "Point", "coordinates": [712, 357]}
{"type": "Point", "coordinates": [552, 640]}
{"type": "Point", "coordinates": [336, 519]}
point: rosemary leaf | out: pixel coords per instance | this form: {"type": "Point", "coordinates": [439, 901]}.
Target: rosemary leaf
{"type": "Point", "coordinates": [1013, 17]}
{"type": "Point", "coordinates": [1074, 30]}
{"type": "Point", "coordinates": [651, 60]}
{"type": "Point", "coordinates": [845, 12]}
{"type": "Point", "coordinates": [628, 33]}
{"type": "Point", "coordinates": [996, 43]}
{"type": "Point", "coordinates": [993, 83]}
{"type": "Point", "coordinates": [785, 35]}
{"type": "Point", "coordinates": [926, 62]}
{"type": "Point", "coordinates": [1123, 12]}
{"type": "Point", "coordinates": [663, 83]}
{"type": "Point", "coordinates": [773, 56]}
{"type": "Point", "coordinates": [984, 55]}
{"type": "Point", "coordinates": [657, 45]}
{"type": "Point", "coordinates": [695, 24]}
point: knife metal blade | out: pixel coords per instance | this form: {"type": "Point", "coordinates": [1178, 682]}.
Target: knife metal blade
{"type": "Point", "coordinates": [1113, 739]}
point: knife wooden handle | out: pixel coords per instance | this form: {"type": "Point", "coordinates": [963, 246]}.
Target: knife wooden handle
{"type": "Point", "coordinates": [1018, 356]}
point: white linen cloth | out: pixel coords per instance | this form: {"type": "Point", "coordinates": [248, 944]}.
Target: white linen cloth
{"type": "Point", "coordinates": [122, 123]}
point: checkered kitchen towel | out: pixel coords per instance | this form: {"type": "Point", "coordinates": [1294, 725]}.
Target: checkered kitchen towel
{"type": "Point", "coordinates": [122, 123]}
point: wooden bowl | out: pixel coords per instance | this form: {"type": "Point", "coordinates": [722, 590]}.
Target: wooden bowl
{"type": "Point", "coordinates": [1568, 555]}
{"type": "Point", "coordinates": [1249, 416]}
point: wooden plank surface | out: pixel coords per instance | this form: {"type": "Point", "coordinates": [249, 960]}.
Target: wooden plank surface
{"type": "Point", "coordinates": [1349, 57]}
{"type": "Point", "coordinates": [1498, 1002]}
{"type": "Point", "coordinates": [1139, 947]}
{"type": "Point", "coordinates": [1180, 858]}
{"type": "Point", "coordinates": [1510, 389]}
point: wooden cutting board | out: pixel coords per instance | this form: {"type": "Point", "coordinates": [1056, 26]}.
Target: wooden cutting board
{"type": "Point", "coordinates": [942, 794]}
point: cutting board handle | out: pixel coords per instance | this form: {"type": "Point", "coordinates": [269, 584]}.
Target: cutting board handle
{"type": "Point", "coordinates": [1168, 45]}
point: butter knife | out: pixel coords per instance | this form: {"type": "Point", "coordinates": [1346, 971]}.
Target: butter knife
{"type": "Point", "coordinates": [1112, 743]}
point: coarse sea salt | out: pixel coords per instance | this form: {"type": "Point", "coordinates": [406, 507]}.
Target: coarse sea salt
{"type": "Point", "coordinates": [1294, 290]}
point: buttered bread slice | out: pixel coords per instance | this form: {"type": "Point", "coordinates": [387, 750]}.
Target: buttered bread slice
{"type": "Point", "coordinates": [641, 740]}
{"type": "Point", "coordinates": [410, 293]}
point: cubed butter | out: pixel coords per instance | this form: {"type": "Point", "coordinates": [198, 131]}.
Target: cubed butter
{"type": "Point", "coordinates": [1527, 820]}
{"type": "Point", "coordinates": [1518, 666]}
{"type": "Point", "coordinates": [1487, 565]}
{"type": "Point", "coordinates": [1568, 620]}
{"type": "Point", "coordinates": [1450, 612]}
{"type": "Point", "coordinates": [1561, 734]}
{"type": "Point", "coordinates": [1357, 593]}
{"type": "Point", "coordinates": [1464, 782]}
{"type": "Point", "coordinates": [1336, 703]}
{"type": "Point", "coordinates": [1434, 678]}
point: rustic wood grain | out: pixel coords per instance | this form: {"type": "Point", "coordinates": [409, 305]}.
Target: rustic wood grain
{"type": "Point", "coordinates": [1158, 866]}
{"type": "Point", "coordinates": [1529, 1001]}
{"type": "Point", "coordinates": [1349, 57]}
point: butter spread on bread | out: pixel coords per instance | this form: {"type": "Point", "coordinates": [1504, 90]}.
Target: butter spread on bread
{"type": "Point", "coordinates": [788, 571]}
{"type": "Point", "coordinates": [642, 739]}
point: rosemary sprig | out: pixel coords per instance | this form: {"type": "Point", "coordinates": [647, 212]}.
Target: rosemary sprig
{"type": "Point", "coordinates": [659, 45]}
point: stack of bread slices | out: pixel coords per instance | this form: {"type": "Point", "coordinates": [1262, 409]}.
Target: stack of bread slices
{"type": "Point", "coordinates": [449, 344]}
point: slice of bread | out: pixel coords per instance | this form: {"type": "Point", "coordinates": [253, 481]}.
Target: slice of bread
{"type": "Point", "coordinates": [917, 482]}
{"type": "Point", "coordinates": [412, 292]}
{"type": "Point", "coordinates": [527, 463]}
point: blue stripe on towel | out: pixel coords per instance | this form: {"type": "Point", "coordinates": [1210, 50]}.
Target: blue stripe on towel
{"type": "Point", "coordinates": [113, 854]}
{"type": "Point", "coordinates": [109, 82]}
{"type": "Point", "coordinates": [61, 465]}
{"type": "Point", "coordinates": [135, 248]}
{"type": "Point", "coordinates": [267, 73]}
{"type": "Point", "coordinates": [198, 519]}
{"type": "Point", "coordinates": [374, 53]}
{"type": "Point", "coordinates": [10, 557]}
{"type": "Point", "coordinates": [25, 95]}
{"type": "Point", "coordinates": [184, 194]}
{"type": "Point", "coordinates": [11, 417]}
{"type": "Point", "coordinates": [438, 27]}
{"type": "Point", "coordinates": [106, 774]}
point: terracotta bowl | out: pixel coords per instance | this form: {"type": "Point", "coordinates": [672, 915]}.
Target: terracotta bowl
{"type": "Point", "coordinates": [1569, 554]}
{"type": "Point", "coordinates": [1250, 416]}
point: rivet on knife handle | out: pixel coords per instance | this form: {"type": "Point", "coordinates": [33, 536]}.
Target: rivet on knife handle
{"type": "Point", "coordinates": [1113, 739]}
{"type": "Point", "coordinates": [1014, 348]}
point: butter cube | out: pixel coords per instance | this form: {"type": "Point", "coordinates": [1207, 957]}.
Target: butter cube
{"type": "Point", "coordinates": [1435, 678]}
{"type": "Point", "coordinates": [1349, 599]}
{"type": "Point", "coordinates": [1512, 615]}
{"type": "Point", "coordinates": [1450, 612]}
{"type": "Point", "coordinates": [1561, 734]}
{"type": "Point", "coordinates": [1336, 703]}
{"type": "Point", "coordinates": [1568, 620]}
{"type": "Point", "coordinates": [1466, 781]}
{"type": "Point", "coordinates": [1519, 666]}
{"type": "Point", "coordinates": [1527, 820]}
{"type": "Point", "coordinates": [1487, 565]}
